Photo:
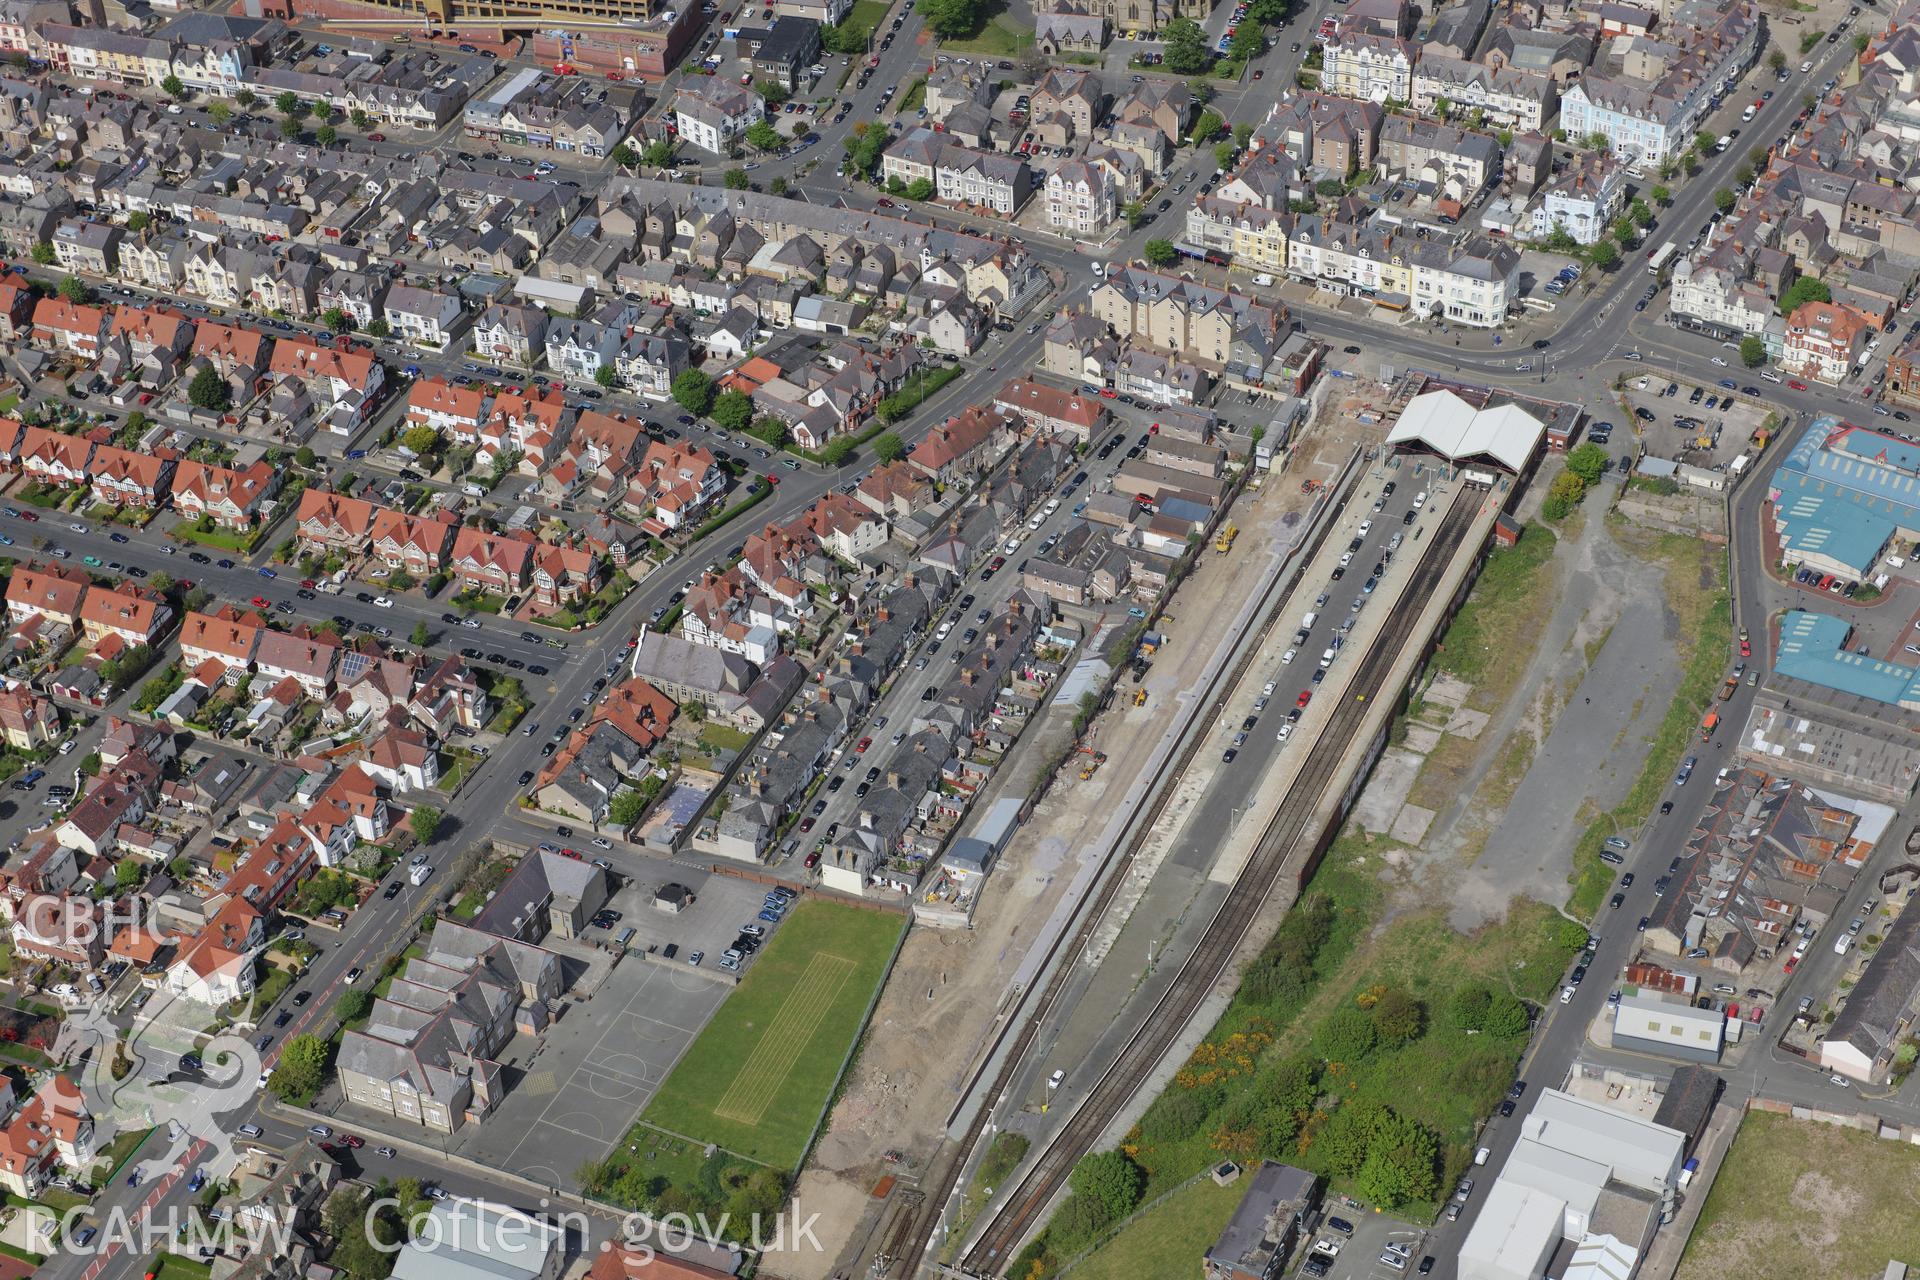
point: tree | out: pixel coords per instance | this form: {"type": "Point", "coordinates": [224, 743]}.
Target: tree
{"type": "Point", "coordinates": [1506, 1016]}
{"type": "Point", "coordinates": [626, 157]}
{"type": "Point", "coordinates": [1398, 1017]}
{"type": "Point", "coordinates": [1724, 200]}
{"type": "Point", "coordinates": [889, 447]}
{"type": "Point", "coordinates": [733, 410]}
{"type": "Point", "coordinates": [208, 390]}
{"type": "Point", "coordinates": [1209, 126]}
{"type": "Point", "coordinates": [1346, 1036]}
{"type": "Point", "coordinates": [735, 179]}
{"type": "Point", "coordinates": [377, 328]}
{"type": "Point", "coordinates": [693, 391]}
{"type": "Point", "coordinates": [1344, 1140]}
{"type": "Point", "coordinates": [1753, 352]}
{"type": "Point", "coordinates": [1159, 252]}
{"type": "Point", "coordinates": [1135, 213]}
{"type": "Point", "coordinates": [246, 98]}
{"type": "Point", "coordinates": [606, 375]}
{"type": "Point", "coordinates": [1468, 1007]}
{"type": "Point", "coordinates": [763, 136]}
{"type": "Point", "coordinates": [1598, 141]}
{"type": "Point", "coordinates": [196, 600]}
{"type": "Point", "coordinates": [1743, 176]}
{"type": "Point", "coordinates": [1703, 141]}
{"type": "Point", "coordinates": [778, 186]}
{"type": "Point", "coordinates": [425, 823]}
{"type": "Point", "coordinates": [287, 102]}
{"type": "Point", "coordinates": [304, 456]}
{"type": "Point", "coordinates": [657, 154]}
{"type": "Point", "coordinates": [43, 253]}
{"type": "Point", "coordinates": [919, 189]}
{"type": "Point", "coordinates": [1860, 41]}
{"type": "Point", "coordinates": [1805, 289]}
{"type": "Point", "coordinates": [770, 431]}
{"type": "Point", "coordinates": [1109, 1180]}
{"type": "Point", "coordinates": [174, 87]}
{"type": "Point", "coordinates": [1662, 196]}
{"type": "Point", "coordinates": [352, 1005]}
{"type": "Point", "coordinates": [1402, 1165]}
{"type": "Point", "coordinates": [839, 452]}
{"type": "Point", "coordinates": [336, 319]}
{"type": "Point", "coordinates": [625, 808]}
{"type": "Point", "coordinates": [420, 439]}
{"type": "Point", "coordinates": [220, 113]}
{"type": "Point", "coordinates": [1776, 60]}
{"type": "Point", "coordinates": [1563, 495]}
{"type": "Point", "coordinates": [289, 128]}
{"type": "Point", "coordinates": [326, 135]}
{"type": "Point", "coordinates": [74, 289]}
{"type": "Point", "coordinates": [1604, 255]}
{"type": "Point", "coordinates": [302, 1067]}
{"type": "Point", "coordinates": [1588, 461]}
{"type": "Point", "coordinates": [1640, 212]}
{"type": "Point", "coordinates": [1184, 47]}
{"type": "Point", "coordinates": [951, 18]}
{"type": "Point", "coordinates": [772, 92]}
{"type": "Point", "coordinates": [421, 636]}
{"type": "Point", "coordinates": [1246, 42]}
{"type": "Point", "coordinates": [360, 119]}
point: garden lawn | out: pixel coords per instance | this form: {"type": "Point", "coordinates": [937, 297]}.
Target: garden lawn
{"type": "Point", "coordinates": [1002, 37]}
{"type": "Point", "coordinates": [1795, 1199]}
{"type": "Point", "coordinates": [1165, 1239]}
{"type": "Point", "coordinates": [217, 538]}
{"type": "Point", "coordinates": [758, 1076]}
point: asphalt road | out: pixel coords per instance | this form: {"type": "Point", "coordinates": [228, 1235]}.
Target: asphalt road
{"type": "Point", "coordinates": [1586, 335]}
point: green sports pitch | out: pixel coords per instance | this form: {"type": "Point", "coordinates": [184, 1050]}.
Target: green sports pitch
{"type": "Point", "coordinates": [756, 1077]}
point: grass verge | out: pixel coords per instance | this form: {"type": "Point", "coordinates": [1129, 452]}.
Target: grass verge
{"type": "Point", "coordinates": [1165, 1238]}
{"type": "Point", "coordinates": [1789, 1188]}
{"type": "Point", "coordinates": [1502, 617]}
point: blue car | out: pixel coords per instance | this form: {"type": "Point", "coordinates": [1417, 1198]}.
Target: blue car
{"type": "Point", "coordinates": [197, 1181]}
{"type": "Point", "coordinates": [133, 1179]}
{"type": "Point", "coordinates": [770, 917]}
{"type": "Point", "coordinates": [413, 371]}
{"type": "Point", "coordinates": [356, 453]}
{"type": "Point", "coordinates": [267, 573]}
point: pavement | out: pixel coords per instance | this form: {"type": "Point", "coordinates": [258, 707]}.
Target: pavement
{"type": "Point", "coordinates": [1588, 337]}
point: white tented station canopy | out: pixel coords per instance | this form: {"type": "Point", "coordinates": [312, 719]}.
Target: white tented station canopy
{"type": "Point", "coordinates": [1444, 423]}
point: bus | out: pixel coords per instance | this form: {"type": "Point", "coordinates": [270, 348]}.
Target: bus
{"type": "Point", "coordinates": [1658, 261]}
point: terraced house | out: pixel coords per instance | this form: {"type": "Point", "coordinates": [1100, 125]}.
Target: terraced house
{"type": "Point", "coordinates": [1369, 67]}
{"type": "Point", "coordinates": [1208, 326]}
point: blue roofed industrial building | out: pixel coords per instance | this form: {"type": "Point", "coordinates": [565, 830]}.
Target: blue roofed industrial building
{"type": "Point", "coordinates": [1842, 494]}
{"type": "Point", "coordinates": [1813, 649]}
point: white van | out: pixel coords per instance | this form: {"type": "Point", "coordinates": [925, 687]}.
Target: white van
{"type": "Point", "coordinates": [1843, 944]}
{"type": "Point", "coordinates": [1326, 659]}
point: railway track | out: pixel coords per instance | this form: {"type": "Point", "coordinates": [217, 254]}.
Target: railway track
{"type": "Point", "coordinates": [1175, 1009]}
{"type": "Point", "coordinates": [907, 1249]}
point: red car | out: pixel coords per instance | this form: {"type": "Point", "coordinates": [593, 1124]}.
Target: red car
{"type": "Point", "coordinates": [1746, 649]}
{"type": "Point", "coordinates": [351, 1140]}
{"type": "Point", "coordinates": [570, 853]}
{"type": "Point", "coordinates": [29, 517]}
{"type": "Point", "coordinates": [376, 137]}
{"type": "Point", "coordinates": [1108, 393]}
{"type": "Point", "coordinates": [813, 859]}
{"type": "Point", "coordinates": [261, 602]}
{"type": "Point", "coordinates": [1793, 962]}
{"type": "Point", "coordinates": [806, 825]}
{"type": "Point", "coordinates": [1306, 696]}
{"type": "Point", "coordinates": [307, 583]}
{"type": "Point", "coordinates": [1796, 384]}
{"type": "Point", "coordinates": [862, 748]}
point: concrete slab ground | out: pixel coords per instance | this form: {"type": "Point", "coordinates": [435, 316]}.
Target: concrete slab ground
{"type": "Point", "coordinates": [1379, 805]}
{"type": "Point", "coordinates": [721, 904]}
{"type": "Point", "coordinates": [582, 1084]}
{"type": "Point", "coordinates": [1411, 826]}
